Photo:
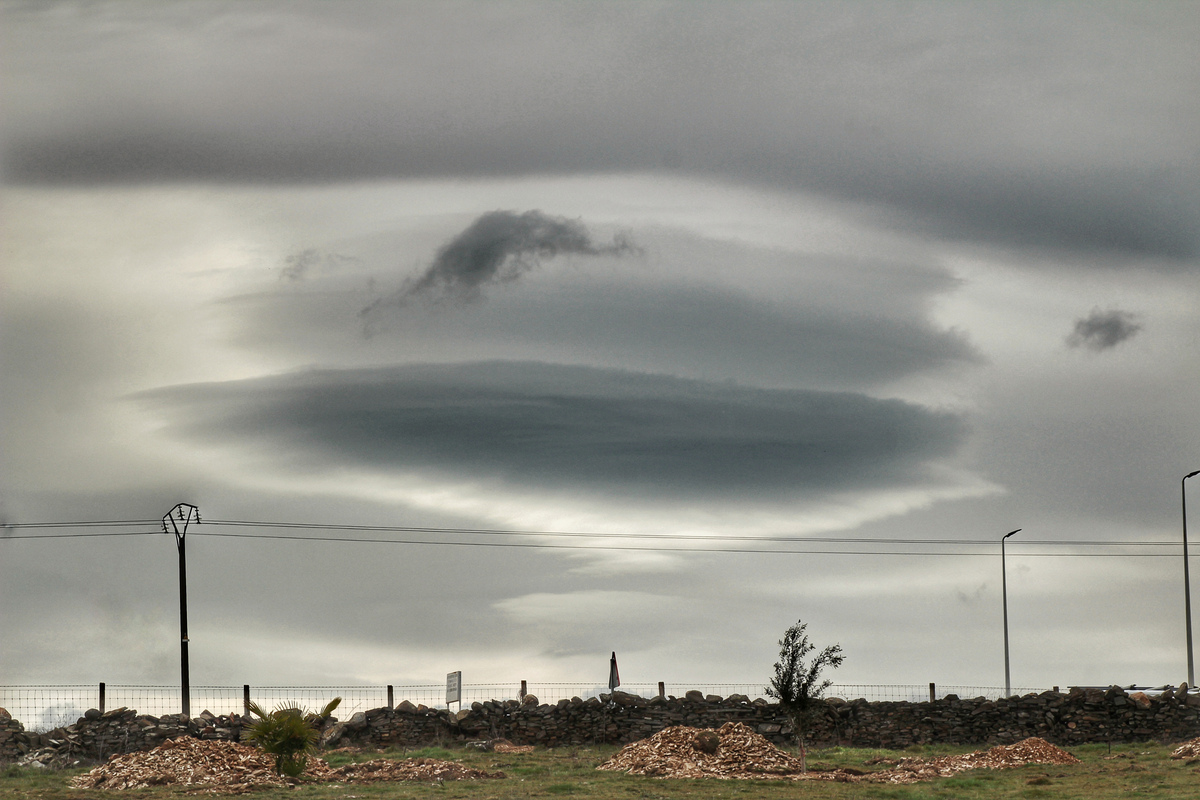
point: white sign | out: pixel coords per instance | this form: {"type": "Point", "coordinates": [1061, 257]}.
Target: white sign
{"type": "Point", "coordinates": [453, 687]}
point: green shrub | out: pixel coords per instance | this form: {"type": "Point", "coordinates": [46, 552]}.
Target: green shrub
{"type": "Point", "coordinates": [288, 733]}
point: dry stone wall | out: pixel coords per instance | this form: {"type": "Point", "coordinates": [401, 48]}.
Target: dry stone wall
{"type": "Point", "coordinates": [1078, 717]}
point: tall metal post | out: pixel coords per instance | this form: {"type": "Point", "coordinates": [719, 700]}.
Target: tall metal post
{"type": "Point", "coordinates": [1004, 591]}
{"type": "Point", "coordinates": [1187, 582]}
{"type": "Point", "coordinates": [178, 519]}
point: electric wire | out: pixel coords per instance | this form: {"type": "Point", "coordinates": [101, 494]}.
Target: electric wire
{"type": "Point", "coordinates": [716, 538]}
{"type": "Point", "coordinates": [576, 548]}
{"type": "Point", "coordinates": [668, 536]}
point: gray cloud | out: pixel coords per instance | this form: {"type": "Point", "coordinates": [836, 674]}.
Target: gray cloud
{"type": "Point", "coordinates": [498, 247]}
{"type": "Point", "coordinates": [987, 121]}
{"type": "Point", "coordinates": [596, 430]}
{"type": "Point", "coordinates": [1103, 330]}
{"type": "Point", "coordinates": [302, 264]}
{"type": "Point", "coordinates": [695, 308]}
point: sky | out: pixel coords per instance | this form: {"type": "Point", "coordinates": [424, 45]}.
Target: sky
{"type": "Point", "coordinates": [798, 307]}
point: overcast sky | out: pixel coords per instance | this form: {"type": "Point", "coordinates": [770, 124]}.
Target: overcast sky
{"type": "Point", "coordinates": [690, 271]}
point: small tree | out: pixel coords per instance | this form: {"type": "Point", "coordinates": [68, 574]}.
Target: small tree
{"type": "Point", "coordinates": [288, 733]}
{"type": "Point", "coordinates": [797, 684]}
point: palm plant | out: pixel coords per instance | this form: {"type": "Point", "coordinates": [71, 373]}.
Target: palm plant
{"type": "Point", "coordinates": [288, 733]}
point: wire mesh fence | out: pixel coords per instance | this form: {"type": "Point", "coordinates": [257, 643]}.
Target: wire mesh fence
{"type": "Point", "coordinates": [43, 708]}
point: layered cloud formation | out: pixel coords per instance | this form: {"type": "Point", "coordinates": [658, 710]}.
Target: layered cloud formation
{"type": "Point", "coordinates": [589, 430]}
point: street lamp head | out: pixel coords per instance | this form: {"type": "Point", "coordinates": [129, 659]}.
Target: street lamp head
{"type": "Point", "coordinates": [1191, 474]}
{"type": "Point", "coordinates": [1010, 533]}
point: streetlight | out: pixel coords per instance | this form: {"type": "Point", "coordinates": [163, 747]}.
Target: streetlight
{"type": "Point", "coordinates": [1004, 590]}
{"type": "Point", "coordinates": [1187, 581]}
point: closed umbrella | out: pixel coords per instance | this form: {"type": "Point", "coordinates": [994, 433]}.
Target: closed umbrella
{"type": "Point", "coordinates": [614, 679]}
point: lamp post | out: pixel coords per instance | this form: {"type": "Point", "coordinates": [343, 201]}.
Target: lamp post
{"type": "Point", "coordinates": [1004, 591]}
{"type": "Point", "coordinates": [1187, 581]}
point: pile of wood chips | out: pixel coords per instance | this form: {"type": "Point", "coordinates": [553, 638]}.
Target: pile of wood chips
{"type": "Point", "coordinates": [1189, 749]}
{"type": "Point", "coordinates": [428, 770]}
{"type": "Point", "coordinates": [1028, 751]}
{"type": "Point", "coordinates": [672, 753]}
{"type": "Point", "coordinates": [743, 754]}
{"type": "Point", "coordinates": [229, 767]}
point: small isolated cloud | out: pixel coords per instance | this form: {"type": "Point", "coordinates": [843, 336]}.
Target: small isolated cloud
{"type": "Point", "coordinates": [1103, 330]}
{"type": "Point", "coordinates": [298, 266]}
{"type": "Point", "coordinates": [498, 247]}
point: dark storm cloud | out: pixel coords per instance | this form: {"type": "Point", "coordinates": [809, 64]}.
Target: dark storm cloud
{"type": "Point", "coordinates": [498, 247]}
{"type": "Point", "coordinates": [1103, 330]}
{"type": "Point", "coordinates": [541, 425]}
{"type": "Point", "coordinates": [1052, 125]}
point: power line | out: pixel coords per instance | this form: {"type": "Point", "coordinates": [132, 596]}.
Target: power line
{"type": "Point", "coordinates": [806, 540]}
{"type": "Point", "coordinates": [107, 523]}
{"type": "Point", "coordinates": [667, 536]}
{"type": "Point", "coordinates": [5, 537]}
{"type": "Point", "coordinates": [576, 548]}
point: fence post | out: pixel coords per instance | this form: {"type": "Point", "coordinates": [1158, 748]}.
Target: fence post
{"type": "Point", "coordinates": [932, 692]}
{"type": "Point", "coordinates": [246, 699]}
{"type": "Point", "coordinates": [662, 690]}
{"type": "Point", "coordinates": [390, 703]}
{"type": "Point", "coordinates": [1056, 690]}
{"type": "Point", "coordinates": [524, 691]}
{"type": "Point", "coordinates": [101, 697]}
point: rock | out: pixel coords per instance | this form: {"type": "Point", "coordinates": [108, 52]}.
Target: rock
{"type": "Point", "coordinates": [358, 721]}
{"type": "Point", "coordinates": [706, 741]}
{"type": "Point", "coordinates": [332, 734]}
{"type": "Point", "coordinates": [1139, 699]}
{"type": "Point", "coordinates": [694, 695]}
{"type": "Point", "coordinates": [92, 714]}
{"type": "Point", "coordinates": [713, 698]}
{"type": "Point", "coordinates": [529, 700]}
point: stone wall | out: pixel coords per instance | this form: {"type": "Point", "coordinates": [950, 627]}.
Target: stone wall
{"type": "Point", "coordinates": [1081, 716]}
{"type": "Point", "coordinates": [1084, 715]}
{"type": "Point", "coordinates": [98, 735]}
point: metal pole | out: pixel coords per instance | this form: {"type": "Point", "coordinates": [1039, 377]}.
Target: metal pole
{"type": "Point", "coordinates": [1187, 582]}
{"type": "Point", "coordinates": [179, 517]}
{"type": "Point", "coordinates": [1004, 591]}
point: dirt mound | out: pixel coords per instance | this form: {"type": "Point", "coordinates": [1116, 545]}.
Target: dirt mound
{"type": "Point", "coordinates": [677, 753]}
{"type": "Point", "coordinates": [231, 767]}
{"type": "Point", "coordinates": [1028, 751]}
{"type": "Point", "coordinates": [1189, 749]}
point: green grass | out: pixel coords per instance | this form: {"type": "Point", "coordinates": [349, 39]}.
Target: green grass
{"type": "Point", "coordinates": [1125, 771]}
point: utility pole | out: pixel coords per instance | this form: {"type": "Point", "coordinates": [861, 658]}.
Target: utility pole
{"type": "Point", "coordinates": [1187, 582]}
{"type": "Point", "coordinates": [1004, 590]}
{"type": "Point", "coordinates": [178, 518]}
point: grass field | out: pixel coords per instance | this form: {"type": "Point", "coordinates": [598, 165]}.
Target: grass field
{"type": "Point", "coordinates": [1138, 771]}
